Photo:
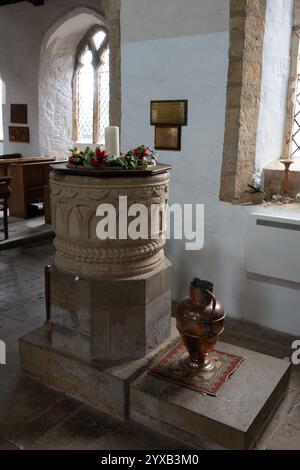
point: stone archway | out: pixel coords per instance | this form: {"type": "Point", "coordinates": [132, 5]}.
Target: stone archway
{"type": "Point", "coordinates": [56, 72]}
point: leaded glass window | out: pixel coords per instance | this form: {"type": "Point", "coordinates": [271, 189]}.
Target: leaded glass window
{"type": "Point", "coordinates": [296, 127]}
{"type": "Point", "coordinates": [85, 98]}
{"type": "Point", "coordinates": [91, 88]}
{"type": "Point", "coordinates": [104, 92]}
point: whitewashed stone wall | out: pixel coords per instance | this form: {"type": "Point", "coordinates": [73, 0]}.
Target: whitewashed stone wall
{"type": "Point", "coordinates": [55, 102]}
{"type": "Point", "coordinates": [163, 58]}
{"type": "Point", "coordinates": [276, 70]}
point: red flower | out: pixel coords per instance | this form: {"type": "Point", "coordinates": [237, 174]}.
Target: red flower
{"type": "Point", "coordinates": [100, 157]}
{"type": "Point", "coordinates": [95, 162]}
{"type": "Point", "coordinates": [140, 152]}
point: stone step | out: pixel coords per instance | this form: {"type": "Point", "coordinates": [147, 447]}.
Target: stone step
{"type": "Point", "coordinates": [233, 420]}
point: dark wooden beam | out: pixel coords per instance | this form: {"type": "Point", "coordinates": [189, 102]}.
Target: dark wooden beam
{"type": "Point", "coordinates": [36, 3]}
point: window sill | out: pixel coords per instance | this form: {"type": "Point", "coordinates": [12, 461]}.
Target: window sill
{"type": "Point", "coordinates": [273, 178]}
{"type": "Point", "coordinates": [277, 166]}
{"type": "Point", "coordinates": [284, 211]}
{"type": "Point", "coordinates": [83, 146]}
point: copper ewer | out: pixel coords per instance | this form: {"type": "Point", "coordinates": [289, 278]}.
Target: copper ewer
{"type": "Point", "coordinates": [200, 321]}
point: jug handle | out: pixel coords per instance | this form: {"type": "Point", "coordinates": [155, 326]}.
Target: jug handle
{"type": "Point", "coordinates": [213, 299]}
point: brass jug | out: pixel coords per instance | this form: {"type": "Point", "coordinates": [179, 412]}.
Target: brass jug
{"type": "Point", "coordinates": [200, 321]}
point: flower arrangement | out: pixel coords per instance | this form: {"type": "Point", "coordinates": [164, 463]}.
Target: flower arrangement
{"type": "Point", "coordinates": [256, 184]}
{"type": "Point", "coordinates": [256, 192]}
{"type": "Point", "coordinates": [88, 157]}
{"type": "Point", "coordinates": [139, 157]}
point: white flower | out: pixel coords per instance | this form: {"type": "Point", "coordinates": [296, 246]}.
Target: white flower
{"type": "Point", "coordinates": [256, 179]}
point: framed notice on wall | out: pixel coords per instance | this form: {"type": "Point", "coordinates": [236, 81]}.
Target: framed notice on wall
{"type": "Point", "coordinates": [19, 134]}
{"type": "Point", "coordinates": [18, 114]}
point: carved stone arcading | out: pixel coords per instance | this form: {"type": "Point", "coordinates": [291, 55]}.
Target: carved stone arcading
{"type": "Point", "coordinates": [74, 202]}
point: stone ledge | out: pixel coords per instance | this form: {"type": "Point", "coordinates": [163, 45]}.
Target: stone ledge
{"type": "Point", "coordinates": [101, 384]}
{"type": "Point", "coordinates": [30, 239]}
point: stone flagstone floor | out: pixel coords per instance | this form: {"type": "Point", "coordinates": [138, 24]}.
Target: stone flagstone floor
{"type": "Point", "coordinates": [35, 417]}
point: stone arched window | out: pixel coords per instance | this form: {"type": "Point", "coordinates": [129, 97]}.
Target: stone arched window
{"type": "Point", "coordinates": [91, 87]}
{"type": "Point", "coordinates": [292, 128]}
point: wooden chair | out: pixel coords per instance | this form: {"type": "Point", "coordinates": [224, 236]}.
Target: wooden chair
{"type": "Point", "coordinates": [4, 195]}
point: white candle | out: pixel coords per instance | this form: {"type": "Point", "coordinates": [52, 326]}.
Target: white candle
{"type": "Point", "coordinates": [112, 140]}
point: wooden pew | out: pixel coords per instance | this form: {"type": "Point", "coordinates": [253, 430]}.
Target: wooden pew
{"type": "Point", "coordinates": [30, 181]}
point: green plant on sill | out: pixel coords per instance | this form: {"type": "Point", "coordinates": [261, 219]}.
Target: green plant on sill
{"type": "Point", "coordinates": [254, 190]}
{"type": "Point", "coordinates": [256, 183]}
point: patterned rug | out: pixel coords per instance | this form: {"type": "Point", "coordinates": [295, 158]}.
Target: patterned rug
{"type": "Point", "coordinates": [171, 367]}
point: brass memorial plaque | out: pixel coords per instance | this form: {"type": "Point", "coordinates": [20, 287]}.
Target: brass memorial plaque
{"type": "Point", "coordinates": [168, 138]}
{"type": "Point", "coordinates": [169, 112]}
